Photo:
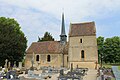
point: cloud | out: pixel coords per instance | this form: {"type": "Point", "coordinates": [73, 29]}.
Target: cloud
{"type": "Point", "coordinates": [71, 7]}
{"type": "Point", "coordinates": [38, 16]}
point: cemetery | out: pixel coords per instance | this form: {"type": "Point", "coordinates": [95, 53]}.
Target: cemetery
{"type": "Point", "coordinates": [78, 56]}
{"type": "Point", "coordinates": [53, 73]}
{"type": "Point", "coordinates": [43, 73]}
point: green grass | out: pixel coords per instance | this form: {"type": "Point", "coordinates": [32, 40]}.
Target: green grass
{"type": "Point", "coordinates": [119, 67]}
{"type": "Point", "coordinates": [107, 65]}
{"type": "Point", "coordinates": [110, 65]}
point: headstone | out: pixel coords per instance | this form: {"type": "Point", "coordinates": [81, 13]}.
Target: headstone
{"type": "Point", "coordinates": [26, 71]}
{"type": "Point", "coordinates": [71, 67]}
{"type": "Point", "coordinates": [61, 72]}
{"type": "Point", "coordinates": [8, 75]}
{"type": "Point", "coordinates": [77, 66]}
{"type": "Point", "coordinates": [30, 73]}
{"type": "Point", "coordinates": [20, 65]}
{"type": "Point", "coordinates": [9, 64]}
{"type": "Point", "coordinates": [11, 75]}
{"type": "Point", "coordinates": [14, 65]}
{"type": "Point", "coordinates": [5, 66]}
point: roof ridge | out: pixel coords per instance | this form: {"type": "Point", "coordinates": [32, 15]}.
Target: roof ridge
{"type": "Point", "coordinates": [45, 41]}
{"type": "Point", "coordinates": [82, 22]}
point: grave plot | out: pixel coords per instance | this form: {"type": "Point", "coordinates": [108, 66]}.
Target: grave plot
{"type": "Point", "coordinates": [76, 74]}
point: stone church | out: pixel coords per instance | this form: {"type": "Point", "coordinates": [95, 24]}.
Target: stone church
{"type": "Point", "coordinates": [79, 51]}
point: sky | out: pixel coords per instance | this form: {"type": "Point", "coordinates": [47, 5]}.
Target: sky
{"type": "Point", "coordinates": [38, 16]}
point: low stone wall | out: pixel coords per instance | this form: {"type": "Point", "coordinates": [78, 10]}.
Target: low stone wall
{"type": "Point", "coordinates": [90, 65]}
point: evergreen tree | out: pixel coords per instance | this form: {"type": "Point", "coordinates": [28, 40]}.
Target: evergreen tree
{"type": "Point", "coordinates": [47, 37]}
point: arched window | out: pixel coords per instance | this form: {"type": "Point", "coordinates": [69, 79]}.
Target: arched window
{"type": "Point", "coordinates": [48, 58]}
{"type": "Point", "coordinates": [37, 57]}
{"type": "Point", "coordinates": [82, 54]}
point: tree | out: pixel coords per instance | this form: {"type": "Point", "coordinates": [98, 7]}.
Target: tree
{"type": "Point", "coordinates": [112, 50]}
{"type": "Point", "coordinates": [100, 43]}
{"type": "Point", "coordinates": [109, 49]}
{"type": "Point", "coordinates": [47, 37]}
{"type": "Point", "coordinates": [13, 42]}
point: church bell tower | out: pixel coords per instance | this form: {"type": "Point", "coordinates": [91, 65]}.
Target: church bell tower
{"type": "Point", "coordinates": [63, 36]}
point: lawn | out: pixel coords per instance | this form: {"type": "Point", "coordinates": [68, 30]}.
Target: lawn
{"type": "Point", "coordinates": [118, 67]}
{"type": "Point", "coordinates": [107, 65]}
{"type": "Point", "coordinates": [110, 65]}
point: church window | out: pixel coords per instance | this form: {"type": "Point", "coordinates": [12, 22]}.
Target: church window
{"type": "Point", "coordinates": [37, 57]}
{"type": "Point", "coordinates": [82, 54]}
{"type": "Point", "coordinates": [81, 41]}
{"type": "Point", "coordinates": [67, 58]}
{"type": "Point", "coordinates": [48, 58]}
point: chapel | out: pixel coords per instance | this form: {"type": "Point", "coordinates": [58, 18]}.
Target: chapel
{"type": "Point", "coordinates": [79, 51]}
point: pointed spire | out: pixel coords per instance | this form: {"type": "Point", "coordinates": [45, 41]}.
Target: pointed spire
{"type": "Point", "coordinates": [63, 37]}
{"type": "Point", "coordinates": [63, 25]}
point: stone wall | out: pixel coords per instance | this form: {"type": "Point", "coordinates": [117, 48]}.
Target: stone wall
{"type": "Point", "coordinates": [89, 45]}
{"type": "Point", "coordinates": [90, 65]}
{"type": "Point", "coordinates": [55, 60]}
{"type": "Point", "coordinates": [28, 59]}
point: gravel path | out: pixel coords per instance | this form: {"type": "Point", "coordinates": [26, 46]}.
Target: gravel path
{"type": "Point", "coordinates": [91, 75]}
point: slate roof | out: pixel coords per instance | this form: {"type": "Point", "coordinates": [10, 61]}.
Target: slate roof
{"type": "Point", "coordinates": [82, 29]}
{"type": "Point", "coordinates": [53, 47]}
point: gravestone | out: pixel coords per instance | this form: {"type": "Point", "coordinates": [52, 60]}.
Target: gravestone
{"type": "Point", "coordinates": [71, 67]}
{"type": "Point", "coordinates": [9, 65]}
{"type": "Point", "coordinates": [14, 65]}
{"type": "Point", "coordinates": [5, 66]}
{"type": "Point", "coordinates": [20, 65]}
{"type": "Point", "coordinates": [30, 73]}
{"type": "Point", "coordinates": [61, 72]}
{"type": "Point", "coordinates": [77, 67]}
{"type": "Point", "coordinates": [11, 75]}
{"type": "Point", "coordinates": [8, 75]}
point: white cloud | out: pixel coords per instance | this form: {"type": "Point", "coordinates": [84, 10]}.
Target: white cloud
{"type": "Point", "coordinates": [38, 16]}
{"type": "Point", "coordinates": [71, 7]}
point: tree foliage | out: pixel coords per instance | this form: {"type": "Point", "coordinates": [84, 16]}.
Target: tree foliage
{"type": "Point", "coordinates": [110, 49]}
{"type": "Point", "coordinates": [47, 37]}
{"type": "Point", "coordinates": [13, 42]}
{"type": "Point", "coordinates": [100, 43]}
